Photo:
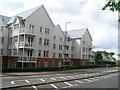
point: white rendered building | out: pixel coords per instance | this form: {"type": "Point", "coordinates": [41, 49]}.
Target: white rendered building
{"type": "Point", "coordinates": [32, 40]}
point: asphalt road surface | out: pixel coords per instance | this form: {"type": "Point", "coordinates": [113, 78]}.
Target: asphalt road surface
{"type": "Point", "coordinates": [107, 81]}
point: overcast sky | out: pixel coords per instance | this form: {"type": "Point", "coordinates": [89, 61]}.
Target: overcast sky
{"type": "Point", "coordinates": [103, 25]}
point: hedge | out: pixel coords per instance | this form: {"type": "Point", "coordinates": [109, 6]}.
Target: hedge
{"type": "Point", "coordinates": [48, 69]}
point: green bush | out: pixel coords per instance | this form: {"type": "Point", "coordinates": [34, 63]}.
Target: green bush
{"type": "Point", "coordinates": [48, 69]}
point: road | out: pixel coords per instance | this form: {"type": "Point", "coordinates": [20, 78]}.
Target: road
{"type": "Point", "coordinates": [97, 82]}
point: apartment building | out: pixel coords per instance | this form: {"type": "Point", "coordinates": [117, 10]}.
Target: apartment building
{"type": "Point", "coordinates": [4, 37]}
{"type": "Point", "coordinates": [82, 44]}
{"type": "Point", "coordinates": [32, 40]}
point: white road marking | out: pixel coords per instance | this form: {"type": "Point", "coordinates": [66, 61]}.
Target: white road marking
{"type": "Point", "coordinates": [27, 81]}
{"type": "Point", "coordinates": [12, 82]}
{"type": "Point", "coordinates": [88, 80]}
{"type": "Point", "coordinates": [70, 77]}
{"type": "Point", "coordinates": [79, 81]}
{"type": "Point", "coordinates": [63, 77]}
{"type": "Point", "coordinates": [54, 86]}
{"type": "Point", "coordinates": [42, 80]}
{"type": "Point", "coordinates": [70, 86]}
{"type": "Point", "coordinates": [68, 83]}
{"type": "Point", "coordinates": [35, 87]}
{"type": "Point", "coordinates": [53, 78]}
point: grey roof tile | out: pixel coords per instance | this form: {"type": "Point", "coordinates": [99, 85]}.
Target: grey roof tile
{"type": "Point", "coordinates": [24, 14]}
{"type": "Point", "coordinates": [78, 33]}
{"type": "Point", "coordinates": [5, 18]}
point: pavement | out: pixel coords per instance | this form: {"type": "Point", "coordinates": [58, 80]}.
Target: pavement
{"type": "Point", "coordinates": [44, 73]}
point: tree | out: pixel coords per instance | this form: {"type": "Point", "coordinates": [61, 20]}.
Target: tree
{"type": "Point", "coordinates": [98, 56]}
{"type": "Point", "coordinates": [112, 53]}
{"type": "Point", "coordinates": [113, 5]}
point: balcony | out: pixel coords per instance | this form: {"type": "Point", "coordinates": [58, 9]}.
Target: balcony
{"type": "Point", "coordinates": [28, 32]}
{"type": "Point", "coordinates": [66, 59]}
{"type": "Point", "coordinates": [27, 59]}
{"type": "Point", "coordinates": [28, 45]}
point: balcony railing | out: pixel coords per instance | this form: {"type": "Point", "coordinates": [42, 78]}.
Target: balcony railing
{"type": "Point", "coordinates": [26, 44]}
{"type": "Point", "coordinates": [66, 59]}
{"type": "Point", "coordinates": [27, 59]}
{"type": "Point", "coordinates": [24, 31]}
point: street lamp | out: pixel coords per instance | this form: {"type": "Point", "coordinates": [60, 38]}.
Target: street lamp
{"type": "Point", "coordinates": [65, 38]}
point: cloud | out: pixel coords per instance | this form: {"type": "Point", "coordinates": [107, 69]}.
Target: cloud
{"type": "Point", "coordinates": [102, 25]}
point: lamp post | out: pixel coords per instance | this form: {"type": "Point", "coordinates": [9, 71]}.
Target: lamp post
{"type": "Point", "coordinates": [65, 38]}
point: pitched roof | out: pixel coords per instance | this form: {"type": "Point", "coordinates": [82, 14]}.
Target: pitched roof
{"type": "Point", "coordinates": [77, 34]}
{"type": "Point", "coordinates": [24, 14]}
{"type": "Point", "coordinates": [5, 18]}
{"type": "Point", "coordinates": [27, 13]}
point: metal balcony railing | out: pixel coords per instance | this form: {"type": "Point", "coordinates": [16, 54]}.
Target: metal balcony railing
{"type": "Point", "coordinates": [27, 59]}
{"type": "Point", "coordinates": [23, 30]}
{"type": "Point", "coordinates": [25, 44]}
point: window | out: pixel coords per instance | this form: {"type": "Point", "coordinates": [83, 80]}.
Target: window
{"type": "Point", "coordinates": [29, 53]}
{"type": "Point", "coordinates": [15, 39]}
{"type": "Point", "coordinates": [66, 47]}
{"type": "Point", "coordinates": [46, 30]}
{"type": "Point", "coordinates": [83, 49]}
{"type": "Point", "coordinates": [84, 42]}
{"type": "Point", "coordinates": [39, 53]}
{"type": "Point", "coordinates": [60, 55]}
{"type": "Point", "coordinates": [2, 28]}
{"type": "Point", "coordinates": [60, 47]}
{"type": "Point", "coordinates": [46, 42]}
{"type": "Point", "coordinates": [1, 51]}
{"type": "Point", "coordinates": [40, 29]}
{"type": "Point", "coordinates": [86, 49]}
{"type": "Point", "coordinates": [54, 46]}
{"type": "Point", "coordinates": [9, 52]}
{"type": "Point", "coordinates": [31, 27]}
{"type": "Point", "coordinates": [40, 41]}
{"type": "Point", "coordinates": [2, 40]}
{"type": "Point", "coordinates": [54, 55]}
{"type": "Point", "coordinates": [46, 54]}
{"type": "Point", "coordinates": [13, 64]}
{"type": "Point", "coordinates": [83, 56]}
{"type": "Point", "coordinates": [54, 37]}
{"type": "Point", "coordinates": [14, 51]}
{"type": "Point", "coordinates": [86, 56]}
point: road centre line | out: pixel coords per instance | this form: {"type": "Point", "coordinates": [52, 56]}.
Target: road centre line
{"type": "Point", "coordinates": [12, 82]}
{"type": "Point", "coordinates": [54, 86]}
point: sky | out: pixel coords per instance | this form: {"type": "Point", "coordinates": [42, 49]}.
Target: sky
{"type": "Point", "coordinates": [102, 25]}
